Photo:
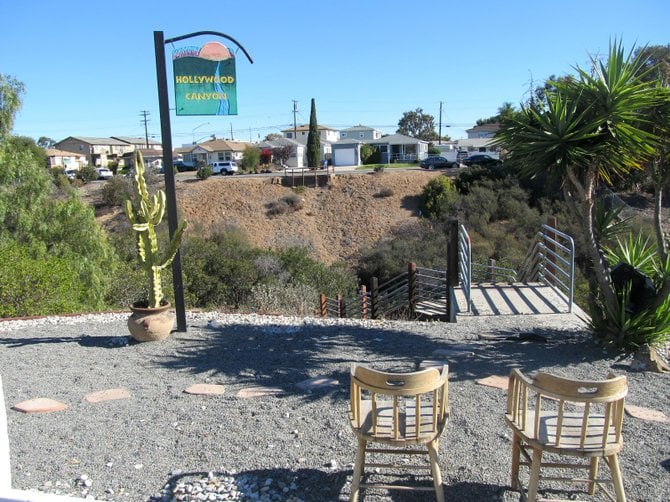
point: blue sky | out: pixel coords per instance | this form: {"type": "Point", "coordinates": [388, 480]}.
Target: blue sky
{"type": "Point", "coordinates": [89, 67]}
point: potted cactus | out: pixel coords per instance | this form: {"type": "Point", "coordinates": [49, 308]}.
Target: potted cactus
{"type": "Point", "coordinates": [152, 318]}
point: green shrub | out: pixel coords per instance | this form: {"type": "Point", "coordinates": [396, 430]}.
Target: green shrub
{"type": "Point", "coordinates": [384, 192]}
{"type": "Point", "coordinates": [287, 204]}
{"type": "Point", "coordinates": [35, 283]}
{"type": "Point", "coordinates": [439, 198]}
{"type": "Point", "coordinates": [370, 155]}
{"type": "Point", "coordinates": [291, 299]}
{"type": "Point", "coordinates": [116, 190]}
{"type": "Point", "coordinates": [477, 175]}
{"type": "Point", "coordinates": [88, 173]}
{"type": "Point", "coordinates": [204, 172]}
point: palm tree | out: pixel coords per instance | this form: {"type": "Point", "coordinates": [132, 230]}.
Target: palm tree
{"type": "Point", "coordinates": [588, 130]}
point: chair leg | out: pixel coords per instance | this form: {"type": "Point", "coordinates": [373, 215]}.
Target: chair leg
{"type": "Point", "coordinates": [617, 478]}
{"type": "Point", "coordinates": [358, 470]}
{"type": "Point", "coordinates": [534, 480]}
{"type": "Point", "coordinates": [593, 474]}
{"type": "Point", "coordinates": [435, 470]}
{"type": "Point", "coordinates": [516, 453]}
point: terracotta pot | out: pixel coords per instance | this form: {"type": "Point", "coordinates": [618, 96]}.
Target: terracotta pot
{"type": "Point", "coordinates": [148, 324]}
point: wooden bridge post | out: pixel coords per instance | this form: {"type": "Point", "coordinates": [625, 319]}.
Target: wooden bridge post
{"type": "Point", "coordinates": [491, 270]}
{"type": "Point", "coordinates": [340, 306]}
{"type": "Point", "coordinates": [323, 305]}
{"type": "Point", "coordinates": [374, 298]}
{"type": "Point", "coordinates": [411, 287]}
{"type": "Point", "coordinates": [364, 302]}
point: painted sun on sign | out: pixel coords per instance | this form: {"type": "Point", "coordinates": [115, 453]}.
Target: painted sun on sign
{"type": "Point", "coordinates": [204, 80]}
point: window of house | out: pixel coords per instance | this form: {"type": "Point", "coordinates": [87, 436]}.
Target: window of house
{"type": "Point", "coordinates": [361, 134]}
{"type": "Point", "coordinates": [343, 134]}
{"type": "Point", "coordinates": [289, 135]}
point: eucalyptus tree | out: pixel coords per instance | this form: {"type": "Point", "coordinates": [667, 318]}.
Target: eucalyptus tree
{"type": "Point", "coordinates": [588, 130]}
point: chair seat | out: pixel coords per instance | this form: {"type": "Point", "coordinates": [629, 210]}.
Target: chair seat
{"type": "Point", "coordinates": [570, 441]}
{"type": "Point", "coordinates": [407, 435]}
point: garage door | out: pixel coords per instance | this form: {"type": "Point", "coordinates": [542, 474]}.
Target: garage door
{"type": "Point", "coordinates": [344, 156]}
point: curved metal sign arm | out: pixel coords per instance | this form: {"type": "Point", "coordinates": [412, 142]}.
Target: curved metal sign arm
{"type": "Point", "coordinates": [219, 34]}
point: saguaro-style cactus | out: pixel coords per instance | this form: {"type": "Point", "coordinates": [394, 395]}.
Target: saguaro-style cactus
{"type": "Point", "coordinates": [145, 213]}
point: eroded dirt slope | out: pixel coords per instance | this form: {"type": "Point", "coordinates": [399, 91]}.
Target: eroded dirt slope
{"type": "Point", "coordinates": [338, 221]}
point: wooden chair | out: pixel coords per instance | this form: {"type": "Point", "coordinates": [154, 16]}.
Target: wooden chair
{"type": "Point", "coordinates": [581, 419]}
{"type": "Point", "coordinates": [403, 412]}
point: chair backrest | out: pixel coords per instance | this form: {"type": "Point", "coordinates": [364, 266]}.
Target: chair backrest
{"type": "Point", "coordinates": [580, 414]}
{"type": "Point", "coordinates": [399, 406]}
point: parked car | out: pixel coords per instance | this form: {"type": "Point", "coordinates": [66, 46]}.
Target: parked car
{"type": "Point", "coordinates": [183, 166]}
{"type": "Point", "coordinates": [103, 173]}
{"type": "Point", "coordinates": [437, 163]}
{"type": "Point", "coordinates": [71, 173]}
{"type": "Point", "coordinates": [482, 160]}
{"type": "Point", "coordinates": [224, 167]}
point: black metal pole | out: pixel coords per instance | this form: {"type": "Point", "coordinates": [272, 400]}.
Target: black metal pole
{"type": "Point", "coordinates": [168, 168]}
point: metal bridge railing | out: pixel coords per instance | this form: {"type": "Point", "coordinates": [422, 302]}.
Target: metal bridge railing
{"type": "Point", "coordinates": [465, 264]}
{"type": "Point", "coordinates": [551, 261]}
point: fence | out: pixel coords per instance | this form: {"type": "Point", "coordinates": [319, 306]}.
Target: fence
{"type": "Point", "coordinates": [397, 297]}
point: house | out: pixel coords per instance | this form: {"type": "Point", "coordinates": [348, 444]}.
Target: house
{"type": "Point", "coordinates": [147, 144]}
{"type": "Point", "coordinates": [153, 158]}
{"type": "Point", "coordinates": [98, 151]}
{"type": "Point", "coordinates": [327, 136]}
{"type": "Point", "coordinates": [483, 131]}
{"type": "Point", "coordinates": [361, 133]}
{"type": "Point", "coordinates": [215, 150]}
{"type": "Point", "coordinates": [297, 157]}
{"type": "Point", "coordinates": [347, 152]}
{"type": "Point", "coordinates": [64, 159]}
{"type": "Point", "coordinates": [400, 148]}
{"type": "Point", "coordinates": [301, 133]}
{"type": "Point", "coordinates": [480, 139]}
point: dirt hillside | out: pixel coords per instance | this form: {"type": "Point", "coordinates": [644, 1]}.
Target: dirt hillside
{"type": "Point", "coordinates": [338, 221]}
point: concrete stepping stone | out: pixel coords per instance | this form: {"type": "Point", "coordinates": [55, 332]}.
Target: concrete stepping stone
{"type": "Point", "coordinates": [259, 392]}
{"type": "Point", "coordinates": [318, 383]}
{"type": "Point", "coordinates": [107, 395]}
{"type": "Point", "coordinates": [496, 381]}
{"type": "Point", "coordinates": [646, 414]}
{"type": "Point", "coordinates": [39, 405]}
{"type": "Point", "coordinates": [206, 389]}
{"type": "Point", "coordinates": [432, 363]}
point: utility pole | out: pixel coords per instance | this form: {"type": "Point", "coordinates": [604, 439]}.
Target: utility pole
{"type": "Point", "coordinates": [231, 132]}
{"type": "Point", "coordinates": [145, 119]}
{"type": "Point", "coordinates": [439, 139]}
{"type": "Point", "coordinates": [295, 126]}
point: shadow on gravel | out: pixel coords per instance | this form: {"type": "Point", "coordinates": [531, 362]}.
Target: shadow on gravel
{"type": "Point", "coordinates": [309, 485]}
{"type": "Point", "coordinates": [283, 356]}
{"type": "Point", "coordinates": [312, 485]}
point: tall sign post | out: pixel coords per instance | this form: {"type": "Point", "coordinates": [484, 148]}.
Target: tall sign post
{"type": "Point", "coordinates": [205, 84]}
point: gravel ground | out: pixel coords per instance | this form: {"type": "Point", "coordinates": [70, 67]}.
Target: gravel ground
{"type": "Point", "coordinates": [161, 443]}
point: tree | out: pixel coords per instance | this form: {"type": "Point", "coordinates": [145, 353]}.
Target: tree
{"type": "Point", "coordinates": [506, 112]}
{"type": "Point", "coordinates": [273, 136]}
{"type": "Point", "coordinates": [281, 154]}
{"type": "Point", "coordinates": [40, 224]}
{"type": "Point", "coordinates": [10, 102]}
{"type": "Point", "coordinates": [251, 157]}
{"type": "Point", "coordinates": [44, 142]}
{"type": "Point", "coordinates": [313, 140]}
{"type": "Point", "coordinates": [418, 124]}
{"type": "Point", "coordinates": [589, 131]}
